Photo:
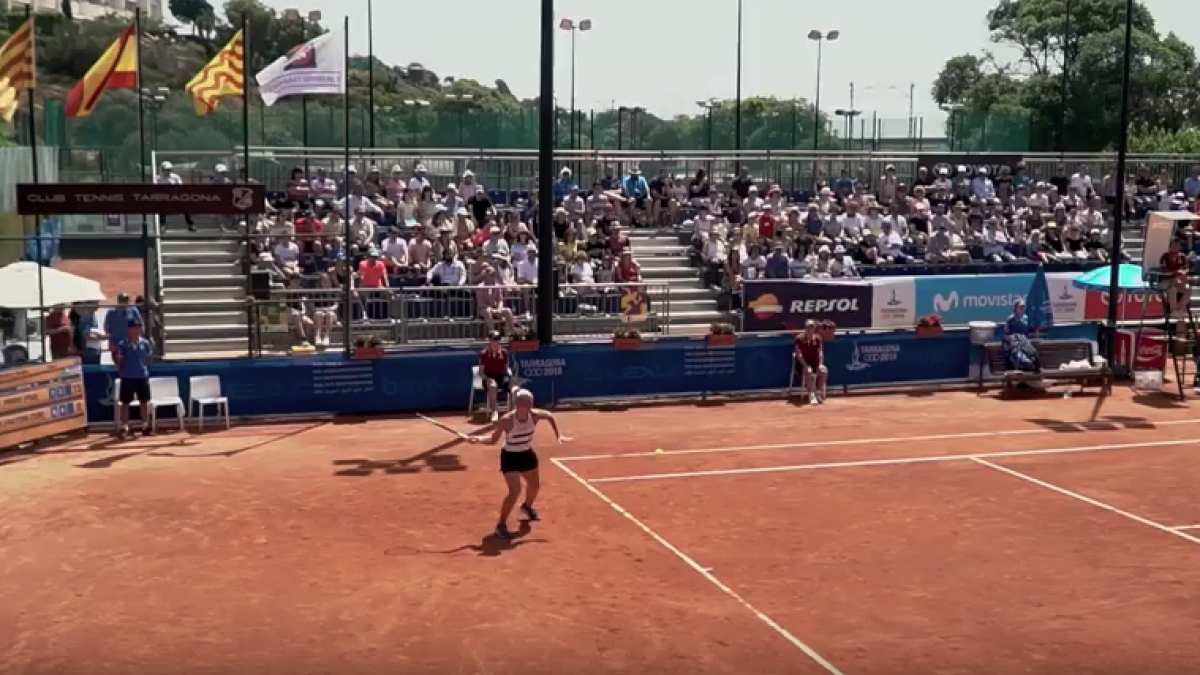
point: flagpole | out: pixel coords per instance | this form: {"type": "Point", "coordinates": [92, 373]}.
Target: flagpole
{"type": "Point", "coordinates": [147, 281]}
{"type": "Point", "coordinates": [348, 184]}
{"type": "Point", "coordinates": [252, 309]}
{"type": "Point", "coordinates": [304, 106]}
{"type": "Point", "coordinates": [36, 172]}
{"type": "Point", "coordinates": [371, 70]}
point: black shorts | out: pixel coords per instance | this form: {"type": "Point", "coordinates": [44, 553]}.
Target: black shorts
{"type": "Point", "coordinates": [518, 462]}
{"type": "Point", "coordinates": [639, 202]}
{"type": "Point", "coordinates": [664, 203]}
{"type": "Point", "coordinates": [502, 382]}
{"type": "Point", "coordinates": [801, 367]}
{"type": "Point", "coordinates": [131, 389]}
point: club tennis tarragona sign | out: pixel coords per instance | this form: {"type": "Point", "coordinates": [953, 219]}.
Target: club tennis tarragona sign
{"type": "Point", "coordinates": [959, 300]}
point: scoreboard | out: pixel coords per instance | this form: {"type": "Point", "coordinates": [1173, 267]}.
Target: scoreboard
{"type": "Point", "coordinates": [41, 400]}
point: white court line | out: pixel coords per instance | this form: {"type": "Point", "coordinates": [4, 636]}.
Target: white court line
{"type": "Point", "coordinates": [1087, 500]}
{"type": "Point", "coordinates": [783, 632]}
{"type": "Point", "coordinates": [1083, 427]}
{"type": "Point", "coordinates": [1186, 527]}
{"type": "Point", "coordinates": [896, 461]}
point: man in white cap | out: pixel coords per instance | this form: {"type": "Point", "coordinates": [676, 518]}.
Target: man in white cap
{"type": "Point", "coordinates": [167, 176]}
{"type": "Point", "coordinates": [419, 181]}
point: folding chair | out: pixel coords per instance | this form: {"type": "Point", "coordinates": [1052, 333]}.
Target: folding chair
{"type": "Point", "coordinates": [792, 378]}
{"type": "Point", "coordinates": [503, 398]}
{"type": "Point", "coordinates": [205, 390]}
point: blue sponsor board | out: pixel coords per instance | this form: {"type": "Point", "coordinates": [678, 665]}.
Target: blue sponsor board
{"type": "Point", "coordinates": [787, 304]}
{"type": "Point", "coordinates": [439, 379]}
{"type": "Point", "coordinates": [961, 300]}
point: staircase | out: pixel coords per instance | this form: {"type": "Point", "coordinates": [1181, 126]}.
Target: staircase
{"type": "Point", "coordinates": [693, 306]}
{"type": "Point", "coordinates": [204, 310]}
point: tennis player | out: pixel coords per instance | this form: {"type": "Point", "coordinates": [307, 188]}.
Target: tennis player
{"type": "Point", "coordinates": [517, 458]}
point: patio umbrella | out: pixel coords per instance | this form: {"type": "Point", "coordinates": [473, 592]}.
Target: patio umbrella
{"type": "Point", "coordinates": [1039, 310]}
{"type": "Point", "coordinates": [1129, 278]}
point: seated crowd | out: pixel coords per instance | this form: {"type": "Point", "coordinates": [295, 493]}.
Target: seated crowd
{"type": "Point", "coordinates": [947, 216]}
{"type": "Point", "coordinates": [403, 234]}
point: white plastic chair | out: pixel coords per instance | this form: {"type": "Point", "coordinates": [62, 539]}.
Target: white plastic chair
{"type": "Point", "coordinates": [205, 390]}
{"type": "Point", "coordinates": [164, 393]}
{"type": "Point", "coordinates": [502, 397]}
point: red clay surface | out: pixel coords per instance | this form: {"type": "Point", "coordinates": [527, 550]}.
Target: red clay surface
{"type": "Point", "coordinates": [361, 547]}
{"type": "Point", "coordinates": [116, 275]}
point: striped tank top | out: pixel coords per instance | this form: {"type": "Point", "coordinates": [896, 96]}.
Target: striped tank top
{"type": "Point", "coordinates": [519, 438]}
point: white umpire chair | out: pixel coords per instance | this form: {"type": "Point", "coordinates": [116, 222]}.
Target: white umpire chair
{"type": "Point", "coordinates": [503, 398]}
{"type": "Point", "coordinates": [164, 393]}
{"type": "Point", "coordinates": [205, 390]}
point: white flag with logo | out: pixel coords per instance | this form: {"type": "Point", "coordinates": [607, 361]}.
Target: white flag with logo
{"type": "Point", "coordinates": [315, 67]}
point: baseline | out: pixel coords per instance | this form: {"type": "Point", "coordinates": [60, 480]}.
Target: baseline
{"type": "Point", "coordinates": [1087, 500]}
{"type": "Point", "coordinates": [702, 571]}
{"type": "Point", "coordinates": [895, 461]}
{"type": "Point", "coordinates": [843, 442]}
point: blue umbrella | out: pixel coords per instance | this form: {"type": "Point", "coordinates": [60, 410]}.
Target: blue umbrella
{"type": "Point", "coordinates": [1039, 311]}
{"type": "Point", "coordinates": [1129, 278]}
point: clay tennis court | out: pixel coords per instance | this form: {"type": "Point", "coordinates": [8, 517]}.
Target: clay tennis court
{"type": "Point", "coordinates": [948, 533]}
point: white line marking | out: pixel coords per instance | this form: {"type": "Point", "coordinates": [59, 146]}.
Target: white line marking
{"type": "Point", "coordinates": [1186, 527]}
{"type": "Point", "coordinates": [891, 462]}
{"type": "Point", "coordinates": [705, 572]}
{"type": "Point", "coordinates": [1083, 427]}
{"type": "Point", "coordinates": [1086, 500]}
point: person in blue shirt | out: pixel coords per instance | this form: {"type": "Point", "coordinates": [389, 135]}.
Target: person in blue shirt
{"type": "Point", "coordinates": [133, 355]}
{"type": "Point", "coordinates": [117, 320]}
{"type": "Point", "coordinates": [563, 186]}
{"type": "Point", "coordinates": [1191, 185]}
{"type": "Point", "coordinates": [637, 190]}
{"type": "Point", "coordinates": [1017, 323]}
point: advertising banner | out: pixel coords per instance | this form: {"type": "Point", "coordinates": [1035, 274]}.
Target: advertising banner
{"type": "Point", "coordinates": [867, 360]}
{"type": "Point", "coordinates": [787, 304]}
{"type": "Point", "coordinates": [40, 401]}
{"type": "Point", "coordinates": [893, 303]}
{"type": "Point", "coordinates": [52, 199]}
{"type": "Point", "coordinates": [959, 300]}
{"type": "Point", "coordinates": [1132, 306]}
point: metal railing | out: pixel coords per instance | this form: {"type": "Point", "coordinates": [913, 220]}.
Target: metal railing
{"type": "Point", "coordinates": [432, 315]}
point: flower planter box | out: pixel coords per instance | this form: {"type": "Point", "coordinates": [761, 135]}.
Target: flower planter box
{"type": "Point", "coordinates": [524, 346]}
{"type": "Point", "coordinates": [627, 343]}
{"type": "Point", "coordinates": [929, 331]}
{"type": "Point", "coordinates": [721, 339]}
{"type": "Point", "coordinates": [826, 335]}
{"type": "Point", "coordinates": [368, 353]}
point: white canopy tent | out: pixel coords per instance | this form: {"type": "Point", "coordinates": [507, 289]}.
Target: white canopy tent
{"type": "Point", "coordinates": [22, 287]}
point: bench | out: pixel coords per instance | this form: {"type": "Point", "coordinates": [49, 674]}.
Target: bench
{"type": "Point", "coordinates": [1053, 354]}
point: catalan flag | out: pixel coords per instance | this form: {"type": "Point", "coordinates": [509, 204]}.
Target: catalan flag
{"type": "Point", "coordinates": [8, 100]}
{"type": "Point", "coordinates": [116, 69]}
{"type": "Point", "coordinates": [16, 69]}
{"type": "Point", "coordinates": [225, 75]}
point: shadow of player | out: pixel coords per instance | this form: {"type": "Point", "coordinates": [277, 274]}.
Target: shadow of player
{"type": "Point", "coordinates": [490, 546]}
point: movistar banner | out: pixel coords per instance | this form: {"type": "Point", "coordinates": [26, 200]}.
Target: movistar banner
{"type": "Point", "coordinates": [960, 300]}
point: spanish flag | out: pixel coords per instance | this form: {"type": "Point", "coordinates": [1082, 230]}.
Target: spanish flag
{"type": "Point", "coordinates": [16, 69]}
{"type": "Point", "coordinates": [225, 75]}
{"type": "Point", "coordinates": [116, 69]}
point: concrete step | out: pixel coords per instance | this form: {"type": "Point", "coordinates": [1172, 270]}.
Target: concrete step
{"type": "Point", "coordinates": [225, 331]}
{"type": "Point", "coordinates": [685, 292]}
{"type": "Point", "coordinates": [177, 246]}
{"type": "Point", "coordinates": [672, 272]}
{"type": "Point", "coordinates": [187, 305]}
{"type": "Point", "coordinates": [678, 282]}
{"type": "Point", "coordinates": [657, 250]}
{"type": "Point", "coordinates": [685, 317]}
{"type": "Point", "coordinates": [657, 263]}
{"type": "Point", "coordinates": [178, 269]}
{"type": "Point", "coordinates": [172, 320]}
{"type": "Point", "coordinates": [691, 304]}
{"type": "Point", "coordinates": [204, 281]}
{"type": "Point", "coordinates": [179, 347]}
{"type": "Point", "coordinates": [209, 293]}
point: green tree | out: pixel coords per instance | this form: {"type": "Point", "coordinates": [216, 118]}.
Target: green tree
{"type": "Point", "coordinates": [191, 12]}
{"type": "Point", "coordinates": [67, 11]}
{"type": "Point", "coordinates": [1165, 83]}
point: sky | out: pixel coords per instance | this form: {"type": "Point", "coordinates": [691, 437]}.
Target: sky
{"type": "Point", "coordinates": [665, 55]}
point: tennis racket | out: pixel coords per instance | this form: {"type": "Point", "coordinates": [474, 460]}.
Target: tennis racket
{"type": "Point", "coordinates": [443, 427]}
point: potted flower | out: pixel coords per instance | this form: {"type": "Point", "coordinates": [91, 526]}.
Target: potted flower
{"type": "Point", "coordinates": [929, 326]}
{"type": "Point", "coordinates": [826, 329]}
{"type": "Point", "coordinates": [627, 338]}
{"type": "Point", "coordinates": [523, 340]}
{"type": "Point", "coordinates": [368, 347]}
{"type": "Point", "coordinates": [721, 335]}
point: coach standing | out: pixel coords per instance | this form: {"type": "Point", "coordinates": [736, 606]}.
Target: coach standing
{"type": "Point", "coordinates": [133, 356]}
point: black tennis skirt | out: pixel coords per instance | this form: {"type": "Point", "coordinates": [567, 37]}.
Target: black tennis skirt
{"type": "Point", "coordinates": [518, 462]}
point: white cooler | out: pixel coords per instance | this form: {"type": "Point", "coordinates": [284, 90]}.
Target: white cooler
{"type": "Point", "coordinates": [982, 332]}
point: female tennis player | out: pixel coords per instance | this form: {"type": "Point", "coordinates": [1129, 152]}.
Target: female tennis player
{"type": "Point", "coordinates": [517, 458]}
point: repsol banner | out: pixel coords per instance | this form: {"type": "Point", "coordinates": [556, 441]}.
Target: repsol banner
{"type": "Point", "coordinates": [783, 304]}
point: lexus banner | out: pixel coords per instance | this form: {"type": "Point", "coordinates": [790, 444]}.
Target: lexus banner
{"type": "Point", "coordinates": [787, 304]}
